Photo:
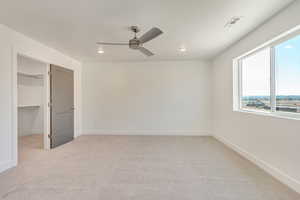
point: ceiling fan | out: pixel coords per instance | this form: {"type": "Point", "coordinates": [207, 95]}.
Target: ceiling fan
{"type": "Point", "coordinates": [137, 43]}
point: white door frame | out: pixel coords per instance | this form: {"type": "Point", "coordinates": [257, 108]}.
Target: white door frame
{"type": "Point", "coordinates": [47, 108]}
{"type": "Point", "coordinates": [14, 138]}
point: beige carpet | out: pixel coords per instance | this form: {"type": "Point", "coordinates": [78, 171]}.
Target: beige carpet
{"type": "Point", "coordinates": [137, 168]}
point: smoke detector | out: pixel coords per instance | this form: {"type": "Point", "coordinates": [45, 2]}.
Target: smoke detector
{"type": "Point", "coordinates": [233, 21]}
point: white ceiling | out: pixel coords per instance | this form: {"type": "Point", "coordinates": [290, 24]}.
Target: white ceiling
{"type": "Point", "coordinates": [74, 26]}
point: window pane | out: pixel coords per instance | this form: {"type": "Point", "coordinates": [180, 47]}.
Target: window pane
{"type": "Point", "coordinates": [256, 81]}
{"type": "Point", "coordinates": [287, 60]}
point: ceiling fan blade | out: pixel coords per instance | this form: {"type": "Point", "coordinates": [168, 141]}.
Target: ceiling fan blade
{"type": "Point", "coordinates": [151, 34]}
{"type": "Point", "coordinates": [145, 51]}
{"type": "Point", "coordinates": [110, 43]}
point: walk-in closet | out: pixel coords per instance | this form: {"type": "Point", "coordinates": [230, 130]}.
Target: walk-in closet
{"type": "Point", "coordinates": [31, 98]}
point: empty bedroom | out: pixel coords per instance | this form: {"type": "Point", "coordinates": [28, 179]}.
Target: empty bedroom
{"type": "Point", "coordinates": [162, 99]}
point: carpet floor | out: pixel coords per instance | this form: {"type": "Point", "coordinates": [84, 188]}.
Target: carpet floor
{"type": "Point", "coordinates": [137, 168]}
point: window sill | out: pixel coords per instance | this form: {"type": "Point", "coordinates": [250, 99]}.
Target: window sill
{"type": "Point", "coordinates": [281, 115]}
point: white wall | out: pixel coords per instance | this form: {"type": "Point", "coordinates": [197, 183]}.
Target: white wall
{"type": "Point", "coordinates": [271, 142]}
{"type": "Point", "coordinates": [155, 98]}
{"type": "Point", "coordinates": [11, 44]}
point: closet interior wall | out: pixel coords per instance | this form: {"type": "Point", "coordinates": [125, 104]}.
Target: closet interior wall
{"type": "Point", "coordinates": [31, 75]}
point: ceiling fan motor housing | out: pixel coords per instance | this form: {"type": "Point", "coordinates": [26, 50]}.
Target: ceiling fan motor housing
{"type": "Point", "coordinates": [134, 43]}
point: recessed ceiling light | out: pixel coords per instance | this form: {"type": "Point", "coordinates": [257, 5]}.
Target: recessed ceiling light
{"type": "Point", "coordinates": [100, 50]}
{"type": "Point", "coordinates": [182, 49]}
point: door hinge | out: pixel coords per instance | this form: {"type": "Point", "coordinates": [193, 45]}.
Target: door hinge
{"type": "Point", "coordinates": [49, 73]}
{"type": "Point", "coordinates": [49, 104]}
{"type": "Point", "coordinates": [49, 136]}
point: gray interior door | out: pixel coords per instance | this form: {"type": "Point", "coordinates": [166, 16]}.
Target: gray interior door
{"type": "Point", "coordinates": [62, 105]}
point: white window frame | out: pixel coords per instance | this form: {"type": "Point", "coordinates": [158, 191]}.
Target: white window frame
{"type": "Point", "coordinates": [237, 80]}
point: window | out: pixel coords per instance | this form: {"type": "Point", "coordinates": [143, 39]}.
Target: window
{"type": "Point", "coordinates": [269, 79]}
{"type": "Point", "coordinates": [256, 81]}
{"type": "Point", "coordinates": [287, 63]}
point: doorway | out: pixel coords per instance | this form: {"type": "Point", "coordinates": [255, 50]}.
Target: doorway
{"type": "Point", "coordinates": [31, 103]}
{"type": "Point", "coordinates": [45, 106]}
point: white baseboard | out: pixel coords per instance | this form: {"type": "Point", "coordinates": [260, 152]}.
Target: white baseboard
{"type": "Point", "coordinates": [24, 132]}
{"type": "Point", "coordinates": [5, 165]}
{"type": "Point", "coordinates": [148, 132]}
{"type": "Point", "coordinates": [37, 131]}
{"type": "Point", "coordinates": [276, 173]}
